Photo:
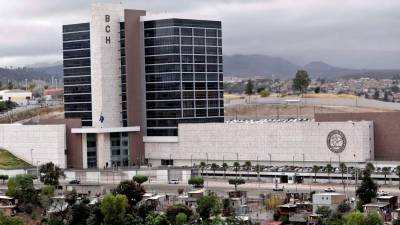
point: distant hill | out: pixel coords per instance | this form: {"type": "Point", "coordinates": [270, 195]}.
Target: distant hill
{"type": "Point", "coordinates": [261, 65]}
{"type": "Point", "coordinates": [38, 73]}
{"type": "Point", "coordinates": [258, 65]}
{"type": "Point", "coordinates": [234, 65]}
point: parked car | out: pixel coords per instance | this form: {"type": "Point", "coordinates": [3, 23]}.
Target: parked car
{"type": "Point", "coordinates": [74, 182]}
{"type": "Point", "coordinates": [174, 181]}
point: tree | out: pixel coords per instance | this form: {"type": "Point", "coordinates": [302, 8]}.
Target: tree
{"type": "Point", "coordinates": [398, 173]}
{"type": "Point", "coordinates": [208, 205]}
{"type": "Point", "coordinates": [396, 222]}
{"type": "Point", "coordinates": [367, 189]}
{"type": "Point", "coordinates": [355, 218]}
{"type": "Point", "coordinates": [10, 86]}
{"type": "Point", "coordinates": [181, 219]}
{"type": "Point", "coordinates": [301, 81]}
{"type": "Point", "coordinates": [369, 168]}
{"type": "Point", "coordinates": [79, 213]}
{"type": "Point", "coordinates": [236, 167]}
{"type": "Point", "coordinates": [264, 93]}
{"type": "Point", "coordinates": [376, 94]}
{"type": "Point", "coordinates": [343, 170]}
{"type": "Point", "coordinates": [95, 215]}
{"type": "Point", "coordinates": [386, 171]}
{"type": "Point", "coordinates": [224, 168]}
{"type": "Point", "coordinates": [315, 170]}
{"type": "Point", "coordinates": [46, 193]}
{"type": "Point", "coordinates": [113, 209]}
{"type": "Point", "coordinates": [156, 219]}
{"type": "Point", "coordinates": [202, 167]}
{"type": "Point", "coordinates": [247, 166]}
{"type": "Point", "coordinates": [373, 218]}
{"type": "Point", "coordinates": [317, 90]}
{"type": "Point", "coordinates": [174, 210]}
{"type": "Point", "coordinates": [236, 182]}
{"type": "Point", "coordinates": [249, 88]}
{"type": "Point", "coordinates": [197, 181]}
{"type": "Point", "coordinates": [133, 191]}
{"type": "Point", "coordinates": [140, 179]}
{"type": "Point", "coordinates": [329, 170]}
{"type": "Point", "coordinates": [6, 220]}
{"type": "Point", "coordinates": [344, 207]}
{"type": "Point", "coordinates": [21, 187]}
{"type": "Point", "coordinates": [50, 173]}
{"type": "Point", "coordinates": [214, 167]}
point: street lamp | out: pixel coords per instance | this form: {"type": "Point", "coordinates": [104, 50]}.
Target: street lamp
{"type": "Point", "coordinates": [32, 156]}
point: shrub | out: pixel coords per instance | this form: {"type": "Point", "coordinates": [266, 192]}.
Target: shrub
{"type": "Point", "coordinates": [140, 179]}
{"type": "Point", "coordinates": [196, 181]}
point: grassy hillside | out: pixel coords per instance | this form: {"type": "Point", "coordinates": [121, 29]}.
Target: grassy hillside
{"type": "Point", "coordinates": [10, 161]}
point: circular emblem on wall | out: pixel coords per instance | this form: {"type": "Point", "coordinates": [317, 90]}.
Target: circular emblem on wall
{"type": "Point", "coordinates": [336, 141]}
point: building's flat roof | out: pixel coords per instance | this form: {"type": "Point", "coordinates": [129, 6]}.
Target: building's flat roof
{"type": "Point", "coordinates": [329, 193]}
{"type": "Point", "coordinates": [380, 205]}
{"type": "Point", "coordinates": [162, 139]}
{"type": "Point", "coordinates": [93, 130]}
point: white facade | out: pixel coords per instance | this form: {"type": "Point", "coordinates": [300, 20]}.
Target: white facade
{"type": "Point", "coordinates": [276, 142]}
{"type": "Point", "coordinates": [35, 144]}
{"type": "Point", "coordinates": [18, 96]}
{"type": "Point", "coordinates": [106, 63]}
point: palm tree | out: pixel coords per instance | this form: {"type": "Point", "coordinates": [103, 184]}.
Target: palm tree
{"type": "Point", "coordinates": [343, 169]}
{"type": "Point", "coordinates": [386, 171]}
{"type": "Point", "coordinates": [398, 173]}
{"type": "Point", "coordinates": [214, 167]}
{"type": "Point", "coordinates": [224, 168]}
{"type": "Point", "coordinates": [329, 170]}
{"type": "Point", "coordinates": [247, 166]}
{"type": "Point", "coordinates": [315, 170]}
{"type": "Point", "coordinates": [202, 167]}
{"type": "Point", "coordinates": [236, 166]}
{"type": "Point", "coordinates": [258, 169]}
{"type": "Point", "coordinates": [370, 168]}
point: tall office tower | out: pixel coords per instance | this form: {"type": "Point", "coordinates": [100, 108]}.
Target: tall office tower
{"type": "Point", "coordinates": [77, 82]}
{"type": "Point", "coordinates": [184, 74]}
{"type": "Point", "coordinates": [120, 69]}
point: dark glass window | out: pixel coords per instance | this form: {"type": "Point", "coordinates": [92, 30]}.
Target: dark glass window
{"type": "Point", "coordinates": [188, 104]}
{"type": "Point", "coordinates": [187, 86]}
{"type": "Point", "coordinates": [199, 32]}
{"type": "Point", "coordinates": [188, 95]}
{"type": "Point", "coordinates": [163, 105]}
{"type": "Point", "coordinates": [211, 32]}
{"type": "Point", "coordinates": [163, 95]}
{"type": "Point", "coordinates": [76, 80]}
{"type": "Point", "coordinates": [199, 59]}
{"type": "Point", "coordinates": [187, 77]}
{"type": "Point", "coordinates": [187, 49]}
{"type": "Point", "coordinates": [212, 59]}
{"type": "Point", "coordinates": [161, 32]}
{"type": "Point", "coordinates": [162, 50]}
{"type": "Point", "coordinates": [188, 113]}
{"type": "Point", "coordinates": [187, 59]}
{"type": "Point", "coordinates": [200, 76]}
{"type": "Point", "coordinates": [212, 50]}
{"type": "Point", "coordinates": [201, 112]}
{"type": "Point", "coordinates": [164, 114]}
{"type": "Point", "coordinates": [77, 89]}
{"type": "Point", "coordinates": [162, 41]}
{"type": "Point", "coordinates": [78, 98]}
{"type": "Point", "coordinates": [212, 68]}
{"type": "Point", "coordinates": [212, 77]}
{"type": "Point", "coordinates": [76, 27]}
{"type": "Point", "coordinates": [163, 68]}
{"type": "Point", "coordinates": [76, 45]}
{"type": "Point", "coordinates": [76, 63]}
{"type": "Point", "coordinates": [76, 54]}
{"type": "Point", "coordinates": [199, 41]}
{"type": "Point", "coordinates": [76, 36]}
{"type": "Point", "coordinates": [187, 68]}
{"type": "Point", "coordinates": [199, 50]}
{"type": "Point", "coordinates": [163, 86]}
{"type": "Point", "coordinates": [200, 86]}
{"type": "Point", "coordinates": [162, 59]}
{"type": "Point", "coordinates": [186, 40]}
{"type": "Point", "coordinates": [163, 77]}
{"type": "Point", "coordinates": [186, 31]}
{"type": "Point", "coordinates": [211, 41]}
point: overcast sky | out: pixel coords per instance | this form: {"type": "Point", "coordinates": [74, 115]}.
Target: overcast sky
{"type": "Point", "coordinates": [345, 33]}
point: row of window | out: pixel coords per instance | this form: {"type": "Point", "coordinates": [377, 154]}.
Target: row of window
{"type": "Point", "coordinates": [184, 31]}
{"type": "Point", "coordinates": [210, 59]}
{"type": "Point", "coordinates": [78, 107]}
{"type": "Point", "coordinates": [178, 113]}
{"type": "Point", "coordinates": [186, 104]}
{"type": "Point", "coordinates": [185, 86]}
{"type": "Point", "coordinates": [77, 89]}
{"type": "Point", "coordinates": [76, 36]}
{"type": "Point", "coordinates": [76, 45]}
{"type": "Point", "coordinates": [185, 95]}
{"type": "Point", "coordinates": [76, 27]}
{"type": "Point", "coordinates": [77, 54]}
{"type": "Point", "coordinates": [83, 115]}
{"type": "Point", "coordinates": [185, 77]}
{"type": "Point", "coordinates": [77, 63]}
{"type": "Point", "coordinates": [174, 49]}
{"type": "Point", "coordinates": [77, 80]}
{"type": "Point", "coordinates": [78, 98]}
{"type": "Point", "coordinates": [185, 68]}
{"type": "Point", "coordinates": [174, 40]}
{"type": "Point", "coordinates": [77, 71]}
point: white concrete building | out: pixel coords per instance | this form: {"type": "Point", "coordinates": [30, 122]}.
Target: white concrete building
{"type": "Point", "coordinates": [307, 142]}
{"type": "Point", "coordinates": [328, 199]}
{"type": "Point", "coordinates": [35, 144]}
{"type": "Point", "coordinates": [20, 97]}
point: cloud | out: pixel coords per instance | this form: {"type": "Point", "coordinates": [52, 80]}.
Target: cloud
{"type": "Point", "coordinates": [354, 33]}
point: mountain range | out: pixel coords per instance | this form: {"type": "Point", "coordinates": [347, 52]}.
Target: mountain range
{"type": "Point", "coordinates": [234, 65]}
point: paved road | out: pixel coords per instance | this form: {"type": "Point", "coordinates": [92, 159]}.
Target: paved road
{"type": "Point", "coordinates": [358, 102]}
